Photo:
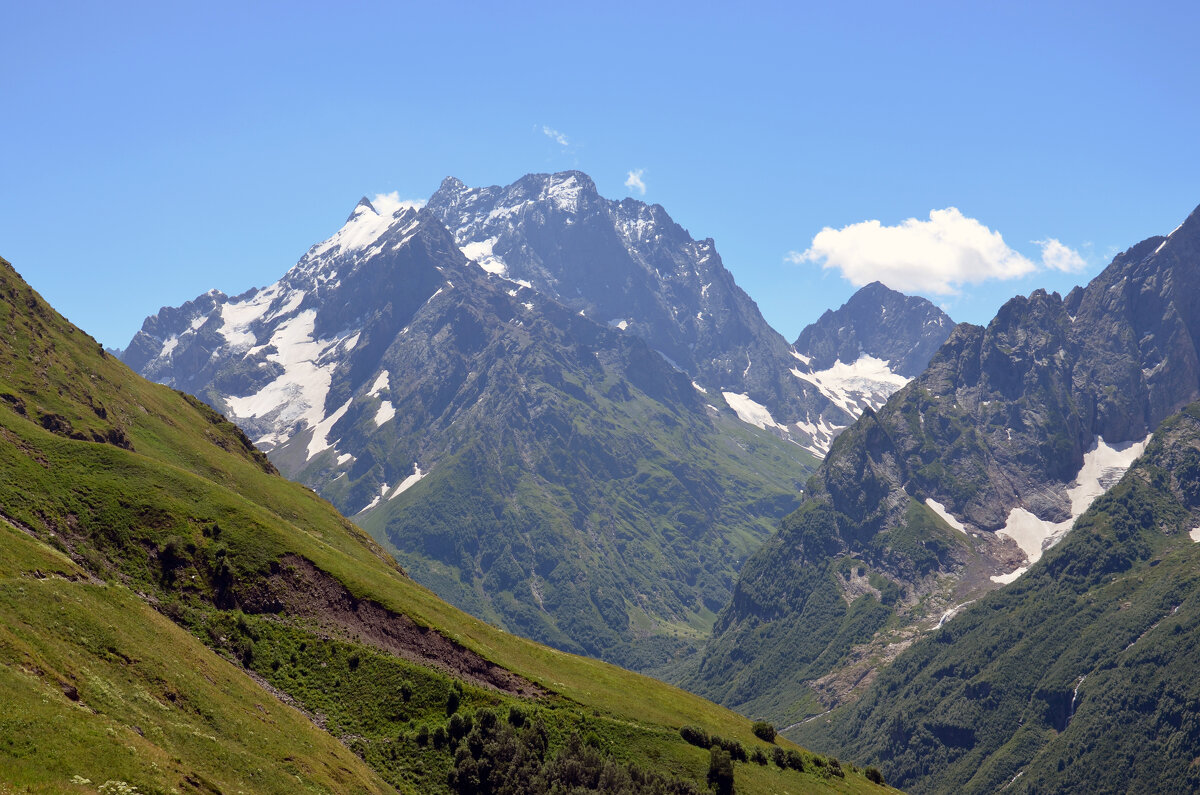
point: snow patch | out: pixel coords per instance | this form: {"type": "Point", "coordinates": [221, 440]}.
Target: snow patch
{"type": "Point", "coordinates": [749, 411]}
{"type": "Point", "coordinates": [699, 388]}
{"type": "Point", "coordinates": [1195, 534]}
{"type": "Point", "coordinates": [941, 511]}
{"type": "Point", "coordinates": [951, 613]}
{"type": "Point", "coordinates": [481, 252]}
{"type": "Point", "coordinates": [381, 383]}
{"type": "Point", "coordinates": [821, 432]}
{"type": "Point", "coordinates": [320, 437]}
{"type": "Point", "coordinates": [1103, 465]}
{"type": "Point", "coordinates": [343, 458]}
{"type": "Point", "coordinates": [1173, 231]}
{"type": "Point", "coordinates": [408, 482]}
{"type": "Point", "coordinates": [297, 395]}
{"type": "Point", "coordinates": [565, 194]}
{"type": "Point", "coordinates": [236, 318]}
{"type": "Point", "coordinates": [382, 491]}
{"type": "Point", "coordinates": [367, 225]}
{"type": "Point", "coordinates": [806, 359]}
{"type": "Point", "coordinates": [867, 382]}
{"type": "Point", "coordinates": [1005, 579]}
{"type": "Point", "coordinates": [386, 412]}
{"type": "Point", "coordinates": [620, 323]}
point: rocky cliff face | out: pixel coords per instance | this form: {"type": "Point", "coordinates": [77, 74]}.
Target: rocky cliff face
{"type": "Point", "coordinates": [964, 477]}
{"type": "Point", "coordinates": [905, 331]}
{"type": "Point", "coordinates": [629, 265]}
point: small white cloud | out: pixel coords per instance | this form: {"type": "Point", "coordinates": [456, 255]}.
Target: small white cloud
{"type": "Point", "coordinates": [555, 135]}
{"type": "Point", "coordinates": [936, 257]}
{"type": "Point", "coordinates": [635, 182]}
{"type": "Point", "coordinates": [1058, 257]}
{"type": "Point", "coordinates": [389, 203]}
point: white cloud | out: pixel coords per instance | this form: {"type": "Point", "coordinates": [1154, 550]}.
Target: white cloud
{"type": "Point", "coordinates": [1058, 257]}
{"type": "Point", "coordinates": [634, 181]}
{"type": "Point", "coordinates": [389, 203]}
{"type": "Point", "coordinates": [555, 135]}
{"type": "Point", "coordinates": [935, 257]}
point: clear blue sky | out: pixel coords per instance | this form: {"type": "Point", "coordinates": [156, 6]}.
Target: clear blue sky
{"type": "Point", "coordinates": [151, 151]}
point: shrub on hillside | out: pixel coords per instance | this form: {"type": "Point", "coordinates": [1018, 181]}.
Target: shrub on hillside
{"type": "Point", "coordinates": [764, 731]}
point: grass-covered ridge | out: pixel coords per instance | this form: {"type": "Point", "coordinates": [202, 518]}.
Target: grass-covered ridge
{"type": "Point", "coordinates": [119, 496]}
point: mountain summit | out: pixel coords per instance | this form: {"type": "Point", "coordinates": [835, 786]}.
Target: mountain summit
{"type": "Point", "coordinates": [629, 265]}
{"type": "Point", "coordinates": [905, 331]}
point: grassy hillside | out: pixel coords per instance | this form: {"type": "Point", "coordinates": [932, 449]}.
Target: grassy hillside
{"type": "Point", "coordinates": [118, 496]}
{"type": "Point", "coordinates": [1081, 676]}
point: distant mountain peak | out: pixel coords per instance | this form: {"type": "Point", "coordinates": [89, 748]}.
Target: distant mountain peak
{"type": "Point", "coordinates": [880, 322]}
{"type": "Point", "coordinates": [364, 204]}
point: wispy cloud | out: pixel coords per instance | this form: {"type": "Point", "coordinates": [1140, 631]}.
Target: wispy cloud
{"type": "Point", "coordinates": [635, 182]}
{"type": "Point", "coordinates": [937, 257]}
{"type": "Point", "coordinates": [555, 135]}
{"type": "Point", "coordinates": [1058, 257]}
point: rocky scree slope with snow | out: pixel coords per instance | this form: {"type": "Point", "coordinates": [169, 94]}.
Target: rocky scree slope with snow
{"type": "Point", "coordinates": [548, 473]}
{"type": "Point", "coordinates": [960, 481]}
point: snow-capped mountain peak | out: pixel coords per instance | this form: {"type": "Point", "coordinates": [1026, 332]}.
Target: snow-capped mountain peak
{"type": "Point", "coordinates": [368, 222]}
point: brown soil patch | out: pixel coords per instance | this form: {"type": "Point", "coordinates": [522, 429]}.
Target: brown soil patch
{"type": "Point", "coordinates": [300, 589]}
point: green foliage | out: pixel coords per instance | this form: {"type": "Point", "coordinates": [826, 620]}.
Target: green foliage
{"type": "Point", "coordinates": [555, 555]}
{"type": "Point", "coordinates": [763, 730]}
{"type": "Point", "coordinates": [720, 771]}
{"type": "Point", "coordinates": [496, 758]}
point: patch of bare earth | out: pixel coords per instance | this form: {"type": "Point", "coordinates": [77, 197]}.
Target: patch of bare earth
{"type": "Point", "coordinates": [300, 589]}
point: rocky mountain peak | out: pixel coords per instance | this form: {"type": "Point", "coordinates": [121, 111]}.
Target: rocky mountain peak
{"type": "Point", "coordinates": [363, 204]}
{"type": "Point", "coordinates": [879, 322]}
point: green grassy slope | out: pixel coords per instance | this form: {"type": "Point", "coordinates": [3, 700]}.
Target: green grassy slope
{"type": "Point", "coordinates": [1080, 676]}
{"type": "Point", "coordinates": [98, 687]}
{"type": "Point", "coordinates": [162, 503]}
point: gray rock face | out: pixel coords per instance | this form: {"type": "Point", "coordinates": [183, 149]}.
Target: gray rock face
{"type": "Point", "coordinates": [629, 265]}
{"type": "Point", "coordinates": [995, 431]}
{"type": "Point", "coordinates": [905, 331]}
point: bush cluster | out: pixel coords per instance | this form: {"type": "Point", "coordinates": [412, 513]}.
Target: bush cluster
{"type": "Point", "coordinates": [498, 757]}
{"type": "Point", "coordinates": [702, 739]}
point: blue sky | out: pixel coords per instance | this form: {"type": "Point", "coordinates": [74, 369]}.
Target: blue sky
{"type": "Point", "coordinates": [152, 151]}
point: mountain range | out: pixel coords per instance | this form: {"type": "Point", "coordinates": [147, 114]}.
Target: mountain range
{"type": "Point", "coordinates": [559, 411]}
